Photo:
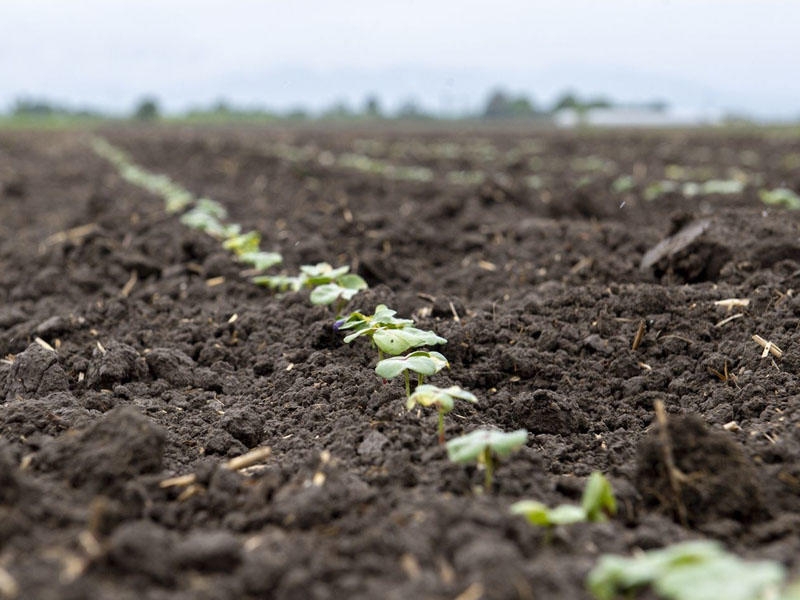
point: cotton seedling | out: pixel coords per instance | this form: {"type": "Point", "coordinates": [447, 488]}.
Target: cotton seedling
{"type": "Point", "coordinates": [261, 260]}
{"type": "Point", "coordinates": [310, 276]}
{"type": "Point", "coordinates": [211, 207]}
{"type": "Point", "coordinates": [442, 398]}
{"type": "Point", "coordinates": [328, 285]}
{"type": "Point", "coordinates": [243, 243]}
{"type": "Point", "coordinates": [697, 570]}
{"type": "Point", "coordinates": [485, 446]}
{"type": "Point", "coordinates": [780, 197]}
{"type": "Point", "coordinates": [361, 323]}
{"type": "Point", "coordinates": [389, 334]}
{"type": "Point", "coordinates": [421, 362]}
{"type": "Point", "coordinates": [197, 219]}
{"type": "Point", "coordinates": [597, 502]}
{"type": "Point", "coordinates": [210, 224]}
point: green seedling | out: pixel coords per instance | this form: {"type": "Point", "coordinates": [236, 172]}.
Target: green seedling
{"type": "Point", "coordinates": [389, 334]}
{"type": "Point", "coordinates": [780, 197]}
{"type": "Point", "coordinates": [485, 446]}
{"type": "Point", "coordinates": [597, 502]}
{"type": "Point", "coordinates": [243, 243]}
{"type": "Point", "coordinates": [261, 260]}
{"type": "Point", "coordinates": [210, 224]}
{"type": "Point", "coordinates": [698, 570]}
{"type": "Point", "coordinates": [442, 398]}
{"type": "Point", "coordinates": [331, 285]}
{"type": "Point", "coordinates": [175, 197]}
{"type": "Point", "coordinates": [340, 292]}
{"type": "Point", "coordinates": [328, 285]}
{"type": "Point", "coordinates": [211, 207]}
{"type": "Point", "coordinates": [712, 186]}
{"type": "Point", "coordinates": [422, 363]}
{"type": "Point", "coordinates": [623, 184]}
{"type": "Point", "coordinates": [659, 188]}
{"type": "Point", "coordinates": [310, 276]}
{"type": "Point", "coordinates": [362, 324]}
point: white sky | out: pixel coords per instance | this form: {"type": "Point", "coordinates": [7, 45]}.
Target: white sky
{"type": "Point", "coordinates": [737, 54]}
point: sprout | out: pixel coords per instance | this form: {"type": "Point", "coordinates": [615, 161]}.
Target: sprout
{"type": "Point", "coordinates": [328, 285]}
{"type": "Point", "coordinates": [261, 260]}
{"type": "Point", "coordinates": [485, 446]}
{"type": "Point", "coordinates": [341, 291]}
{"type": "Point", "coordinates": [177, 198]}
{"type": "Point", "coordinates": [421, 362]}
{"type": "Point", "coordinates": [780, 197]}
{"type": "Point", "coordinates": [389, 334]}
{"type": "Point", "coordinates": [597, 501]}
{"type": "Point", "coordinates": [696, 570]}
{"type": "Point", "coordinates": [442, 399]}
{"type": "Point", "coordinates": [622, 184]}
{"type": "Point", "coordinates": [243, 243]}
{"type": "Point", "coordinates": [210, 207]}
{"type": "Point", "coordinates": [362, 324]}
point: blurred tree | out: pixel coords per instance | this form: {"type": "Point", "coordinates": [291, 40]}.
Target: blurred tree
{"type": "Point", "coordinates": [566, 100]}
{"type": "Point", "coordinates": [339, 110]}
{"type": "Point", "coordinates": [146, 109]}
{"type": "Point", "coordinates": [27, 106]}
{"type": "Point", "coordinates": [411, 110]}
{"type": "Point", "coordinates": [372, 107]}
{"type": "Point", "coordinates": [500, 105]}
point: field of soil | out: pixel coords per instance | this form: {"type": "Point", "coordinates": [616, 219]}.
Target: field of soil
{"type": "Point", "coordinates": [135, 350]}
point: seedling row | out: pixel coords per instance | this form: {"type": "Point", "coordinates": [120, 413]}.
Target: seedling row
{"type": "Point", "coordinates": [392, 337]}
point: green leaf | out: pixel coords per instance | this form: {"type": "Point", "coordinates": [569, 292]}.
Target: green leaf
{"type": "Point", "coordinates": [598, 498]}
{"type": "Point", "coordinates": [724, 576]}
{"type": "Point", "coordinates": [386, 316]}
{"type": "Point", "coordinates": [383, 317]}
{"type": "Point", "coordinates": [277, 282]}
{"type": "Point", "coordinates": [622, 184]}
{"type": "Point", "coordinates": [444, 398]}
{"type": "Point", "coordinates": [469, 447]}
{"type": "Point", "coordinates": [696, 570]}
{"type": "Point", "coordinates": [424, 363]}
{"type": "Point", "coordinates": [780, 197]}
{"type": "Point", "coordinates": [321, 273]}
{"type": "Point", "coordinates": [352, 281]}
{"type": "Point", "coordinates": [177, 200]}
{"type": "Point", "coordinates": [243, 243]}
{"type": "Point", "coordinates": [201, 221]}
{"type": "Point", "coordinates": [397, 341]}
{"type": "Point", "coordinates": [355, 320]}
{"type": "Point", "coordinates": [261, 260]}
{"type": "Point", "coordinates": [356, 334]}
{"type": "Point", "coordinates": [211, 208]}
{"type": "Point", "coordinates": [540, 514]}
{"type": "Point", "coordinates": [328, 293]}
{"type": "Point", "coordinates": [226, 231]}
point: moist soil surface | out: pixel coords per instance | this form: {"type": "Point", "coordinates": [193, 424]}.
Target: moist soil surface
{"type": "Point", "coordinates": [135, 350]}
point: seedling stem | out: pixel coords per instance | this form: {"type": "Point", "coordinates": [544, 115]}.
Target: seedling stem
{"type": "Point", "coordinates": [486, 459]}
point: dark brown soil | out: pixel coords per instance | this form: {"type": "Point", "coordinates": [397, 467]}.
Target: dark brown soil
{"type": "Point", "coordinates": [540, 293]}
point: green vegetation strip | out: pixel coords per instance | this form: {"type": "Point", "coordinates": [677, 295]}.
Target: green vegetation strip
{"type": "Point", "coordinates": [328, 285]}
{"type": "Point", "coordinates": [698, 570]}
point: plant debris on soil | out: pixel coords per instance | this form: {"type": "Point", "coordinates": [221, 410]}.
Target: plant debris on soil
{"type": "Point", "coordinates": [139, 360]}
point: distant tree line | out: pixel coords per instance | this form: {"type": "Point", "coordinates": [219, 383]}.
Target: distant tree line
{"type": "Point", "coordinates": [498, 105]}
{"type": "Point", "coordinates": [33, 107]}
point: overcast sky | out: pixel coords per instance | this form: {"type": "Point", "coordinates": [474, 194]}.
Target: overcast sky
{"type": "Point", "coordinates": [697, 54]}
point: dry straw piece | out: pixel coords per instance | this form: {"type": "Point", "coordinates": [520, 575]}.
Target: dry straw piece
{"type": "Point", "coordinates": [769, 347]}
{"type": "Point", "coordinates": [238, 463]}
{"type": "Point", "coordinates": [730, 303]}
